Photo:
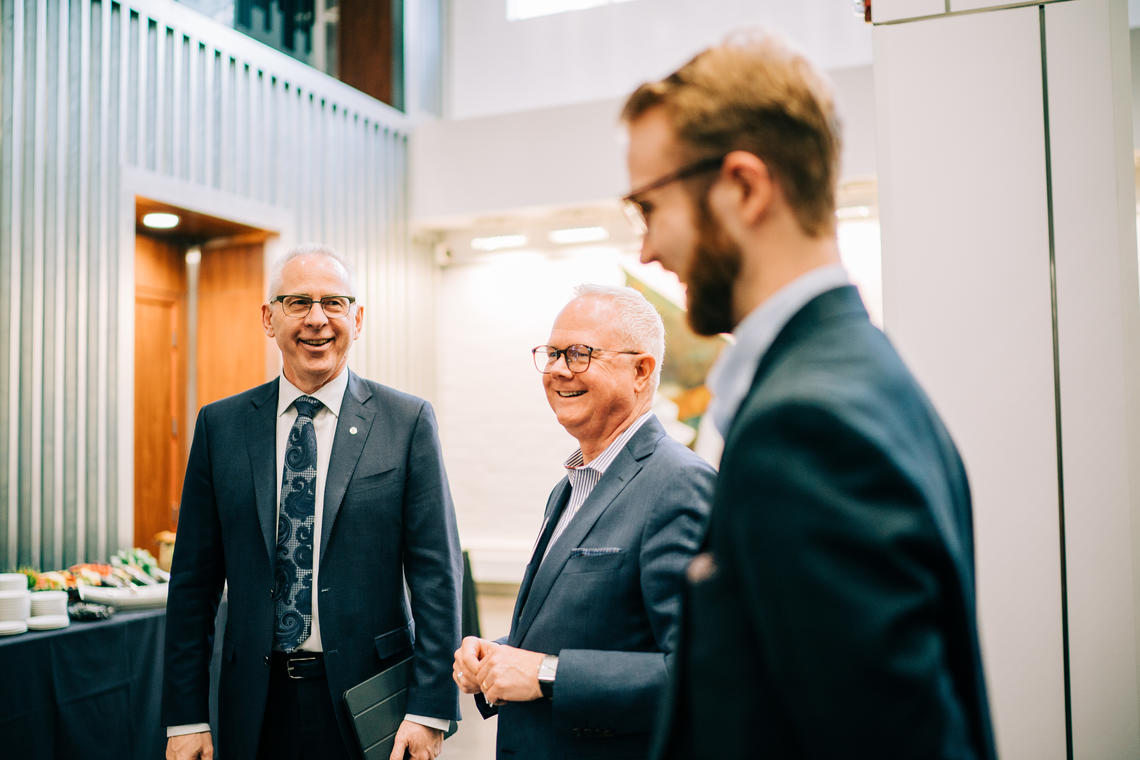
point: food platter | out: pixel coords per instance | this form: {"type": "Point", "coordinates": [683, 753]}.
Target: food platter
{"type": "Point", "coordinates": [126, 598]}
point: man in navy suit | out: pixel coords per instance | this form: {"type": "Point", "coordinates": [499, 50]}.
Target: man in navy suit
{"type": "Point", "coordinates": [316, 587]}
{"type": "Point", "coordinates": [583, 671]}
{"type": "Point", "coordinates": [831, 611]}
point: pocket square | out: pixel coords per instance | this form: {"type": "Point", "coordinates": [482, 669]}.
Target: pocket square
{"type": "Point", "coordinates": [594, 551]}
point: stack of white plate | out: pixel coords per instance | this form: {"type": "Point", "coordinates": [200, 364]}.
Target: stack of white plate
{"type": "Point", "coordinates": [13, 582]}
{"type": "Point", "coordinates": [49, 610]}
{"type": "Point", "coordinates": [15, 607]}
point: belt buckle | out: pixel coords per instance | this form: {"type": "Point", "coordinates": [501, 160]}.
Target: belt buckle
{"type": "Point", "coordinates": [289, 663]}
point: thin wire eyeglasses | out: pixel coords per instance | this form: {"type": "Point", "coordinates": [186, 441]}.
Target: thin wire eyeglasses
{"type": "Point", "coordinates": [577, 357]}
{"type": "Point", "coordinates": [299, 307]}
{"type": "Point", "coordinates": [634, 207]}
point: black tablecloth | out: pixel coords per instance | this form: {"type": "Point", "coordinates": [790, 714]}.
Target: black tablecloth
{"type": "Point", "coordinates": [91, 690]}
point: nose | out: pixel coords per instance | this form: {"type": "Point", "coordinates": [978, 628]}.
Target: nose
{"type": "Point", "coordinates": [648, 253]}
{"type": "Point", "coordinates": [561, 367]}
{"type": "Point", "coordinates": [316, 315]}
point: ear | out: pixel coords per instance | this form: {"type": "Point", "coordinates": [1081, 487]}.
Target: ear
{"type": "Point", "coordinates": [267, 319]}
{"type": "Point", "coordinates": [643, 368]}
{"type": "Point", "coordinates": [358, 320]}
{"type": "Point", "coordinates": [746, 190]}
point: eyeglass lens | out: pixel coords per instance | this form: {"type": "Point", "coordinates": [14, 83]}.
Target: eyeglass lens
{"type": "Point", "coordinates": [577, 357]}
{"type": "Point", "coordinates": [299, 306]}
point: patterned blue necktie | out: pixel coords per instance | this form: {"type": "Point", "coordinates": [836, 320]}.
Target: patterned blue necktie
{"type": "Point", "coordinates": [293, 577]}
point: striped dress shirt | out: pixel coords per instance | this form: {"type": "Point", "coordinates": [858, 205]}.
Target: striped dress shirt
{"type": "Point", "coordinates": [583, 478]}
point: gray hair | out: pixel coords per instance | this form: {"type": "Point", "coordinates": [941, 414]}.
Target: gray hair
{"type": "Point", "coordinates": [276, 274]}
{"type": "Point", "coordinates": [637, 321]}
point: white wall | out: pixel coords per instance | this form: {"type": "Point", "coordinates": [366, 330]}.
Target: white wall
{"type": "Point", "coordinates": [570, 155]}
{"type": "Point", "coordinates": [1009, 270]}
{"type": "Point", "coordinates": [500, 66]}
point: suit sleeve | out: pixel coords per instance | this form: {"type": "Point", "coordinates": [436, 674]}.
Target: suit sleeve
{"type": "Point", "coordinates": [844, 580]}
{"type": "Point", "coordinates": [433, 568]}
{"type": "Point", "coordinates": [196, 579]}
{"type": "Point", "coordinates": [622, 691]}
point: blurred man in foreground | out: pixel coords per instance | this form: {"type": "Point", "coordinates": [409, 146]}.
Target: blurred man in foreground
{"type": "Point", "coordinates": [831, 612]}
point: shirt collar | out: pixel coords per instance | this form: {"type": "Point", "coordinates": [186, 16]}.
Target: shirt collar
{"type": "Point", "coordinates": [331, 394]}
{"type": "Point", "coordinates": [730, 379]}
{"type": "Point", "coordinates": [603, 460]}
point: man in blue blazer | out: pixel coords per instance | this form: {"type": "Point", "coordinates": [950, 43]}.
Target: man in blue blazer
{"type": "Point", "coordinates": [583, 671]}
{"type": "Point", "coordinates": [831, 611]}
{"type": "Point", "coordinates": [316, 587]}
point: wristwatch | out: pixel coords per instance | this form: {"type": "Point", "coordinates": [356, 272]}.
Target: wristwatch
{"type": "Point", "coordinates": [547, 669]}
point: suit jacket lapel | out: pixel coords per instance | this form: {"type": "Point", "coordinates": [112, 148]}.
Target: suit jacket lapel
{"type": "Point", "coordinates": [840, 302]}
{"type": "Point", "coordinates": [627, 464]}
{"type": "Point", "coordinates": [352, 427]}
{"type": "Point", "coordinates": [261, 446]}
{"type": "Point", "coordinates": [555, 505]}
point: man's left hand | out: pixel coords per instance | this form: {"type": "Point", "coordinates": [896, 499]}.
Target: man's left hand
{"type": "Point", "coordinates": [507, 674]}
{"type": "Point", "coordinates": [421, 742]}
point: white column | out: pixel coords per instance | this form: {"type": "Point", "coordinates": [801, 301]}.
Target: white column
{"type": "Point", "coordinates": [1010, 286]}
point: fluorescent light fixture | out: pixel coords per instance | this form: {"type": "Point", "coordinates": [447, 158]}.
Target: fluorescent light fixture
{"type": "Point", "coordinates": [157, 220]}
{"type": "Point", "coordinates": [853, 212]}
{"type": "Point", "coordinates": [498, 242]}
{"type": "Point", "coordinates": [579, 235]}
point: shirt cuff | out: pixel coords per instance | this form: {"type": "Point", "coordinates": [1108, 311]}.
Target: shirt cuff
{"type": "Point", "coordinates": [439, 724]}
{"type": "Point", "coordinates": [189, 728]}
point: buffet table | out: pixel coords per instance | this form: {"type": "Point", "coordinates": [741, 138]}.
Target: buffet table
{"type": "Point", "coordinates": [90, 690]}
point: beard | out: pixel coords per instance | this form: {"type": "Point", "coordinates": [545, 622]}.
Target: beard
{"type": "Point", "coordinates": [711, 277]}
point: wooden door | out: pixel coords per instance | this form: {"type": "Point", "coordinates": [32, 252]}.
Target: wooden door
{"type": "Point", "coordinates": [160, 395]}
{"type": "Point", "coordinates": [231, 342]}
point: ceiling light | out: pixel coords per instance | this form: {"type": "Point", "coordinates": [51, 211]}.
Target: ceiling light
{"type": "Point", "coordinates": [497, 242]}
{"type": "Point", "coordinates": [160, 220]}
{"type": "Point", "coordinates": [853, 212]}
{"type": "Point", "coordinates": [579, 235]}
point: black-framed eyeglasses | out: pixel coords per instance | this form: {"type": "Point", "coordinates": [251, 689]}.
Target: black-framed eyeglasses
{"type": "Point", "coordinates": [300, 306]}
{"type": "Point", "coordinates": [634, 207]}
{"type": "Point", "coordinates": [577, 357]}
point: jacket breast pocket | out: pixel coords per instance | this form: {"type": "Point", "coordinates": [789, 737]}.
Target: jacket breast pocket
{"type": "Point", "coordinates": [591, 559]}
{"type": "Point", "coordinates": [365, 484]}
{"type": "Point", "coordinates": [395, 641]}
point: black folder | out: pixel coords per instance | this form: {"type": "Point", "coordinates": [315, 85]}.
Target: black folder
{"type": "Point", "coordinates": [378, 706]}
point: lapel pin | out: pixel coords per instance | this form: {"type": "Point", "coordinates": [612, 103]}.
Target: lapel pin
{"type": "Point", "coordinates": [352, 430]}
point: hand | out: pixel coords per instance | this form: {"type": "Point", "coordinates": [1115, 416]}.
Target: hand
{"type": "Point", "coordinates": [421, 742]}
{"type": "Point", "coordinates": [467, 659]}
{"type": "Point", "coordinates": [507, 674]}
{"type": "Point", "coordinates": [190, 747]}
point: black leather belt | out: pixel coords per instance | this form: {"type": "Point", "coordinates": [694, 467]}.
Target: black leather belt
{"type": "Point", "coordinates": [300, 665]}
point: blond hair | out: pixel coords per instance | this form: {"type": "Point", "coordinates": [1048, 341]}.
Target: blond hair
{"type": "Point", "coordinates": [755, 93]}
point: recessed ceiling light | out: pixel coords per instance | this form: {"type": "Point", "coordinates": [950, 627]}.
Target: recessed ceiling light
{"type": "Point", "coordinates": [579, 235]}
{"type": "Point", "coordinates": [853, 212]}
{"type": "Point", "coordinates": [498, 242]}
{"type": "Point", "coordinates": [158, 220]}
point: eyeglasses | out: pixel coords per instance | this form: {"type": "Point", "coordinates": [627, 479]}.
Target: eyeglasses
{"type": "Point", "coordinates": [577, 357]}
{"type": "Point", "coordinates": [634, 208]}
{"type": "Point", "coordinates": [300, 306]}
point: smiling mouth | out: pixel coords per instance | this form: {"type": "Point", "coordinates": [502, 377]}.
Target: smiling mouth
{"type": "Point", "coordinates": [316, 341]}
{"type": "Point", "coordinates": [569, 394]}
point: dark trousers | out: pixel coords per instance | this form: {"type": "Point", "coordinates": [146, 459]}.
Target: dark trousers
{"type": "Point", "coordinates": [299, 722]}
